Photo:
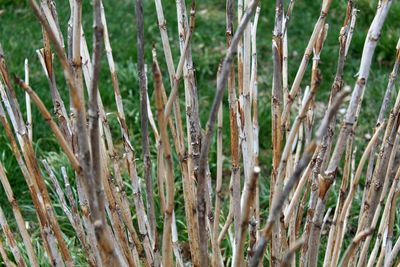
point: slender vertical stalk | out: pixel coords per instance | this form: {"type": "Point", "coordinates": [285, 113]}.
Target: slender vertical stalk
{"type": "Point", "coordinates": [144, 117]}
{"type": "Point", "coordinates": [217, 259]}
{"type": "Point", "coordinates": [169, 205]}
{"type": "Point", "coordinates": [221, 83]}
{"type": "Point", "coordinates": [28, 102]}
{"type": "Point", "coordinates": [18, 217]}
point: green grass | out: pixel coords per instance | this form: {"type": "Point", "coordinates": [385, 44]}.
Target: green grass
{"type": "Point", "coordinates": [20, 36]}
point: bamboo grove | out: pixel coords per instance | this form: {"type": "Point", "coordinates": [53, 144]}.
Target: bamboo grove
{"type": "Point", "coordinates": [119, 227]}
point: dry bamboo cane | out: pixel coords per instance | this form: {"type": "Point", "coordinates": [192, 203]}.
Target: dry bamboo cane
{"type": "Point", "coordinates": [246, 132]}
{"type": "Point", "coordinates": [388, 234]}
{"type": "Point", "coordinates": [45, 58]}
{"type": "Point", "coordinates": [240, 9]}
{"type": "Point", "coordinates": [216, 255]}
{"type": "Point", "coordinates": [285, 82]}
{"type": "Point", "coordinates": [59, 192]}
{"type": "Point", "coordinates": [32, 186]}
{"type": "Point", "coordinates": [287, 16]}
{"type": "Point", "coordinates": [247, 201]}
{"type": "Point", "coordinates": [389, 239]}
{"type": "Point", "coordinates": [380, 120]}
{"type": "Point", "coordinates": [76, 65]}
{"type": "Point", "coordinates": [365, 65]}
{"type": "Point", "coordinates": [177, 135]}
{"type": "Point", "coordinates": [343, 192]}
{"type": "Point", "coordinates": [326, 4]}
{"type": "Point", "coordinates": [47, 212]}
{"type": "Point", "coordinates": [28, 102]}
{"type": "Point", "coordinates": [122, 246]}
{"type": "Point", "coordinates": [72, 216]}
{"type": "Point", "coordinates": [7, 188]}
{"type": "Point", "coordinates": [194, 134]}
{"type": "Point", "coordinates": [3, 254]}
{"type": "Point", "coordinates": [394, 252]}
{"type": "Point", "coordinates": [191, 98]}
{"type": "Point", "coordinates": [393, 148]}
{"type": "Point", "coordinates": [288, 146]}
{"type": "Point", "coordinates": [188, 183]}
{"type": "Point", "coordinates": [255, 125]}
{"type": "Point", "coordinates": [112, 207]}
{"type": "Point", "coordinates": [50, 6]}
{"type": "Point", "coordinates": [144, 117]}
{"type": "Point", "coordinates": [381, 240]}
{"type": "Point", "coordinates": [103, 234]}
{"type": "Point", "coordinates": [117, 201]}
{"type": "Point", "coordinates": [11, 240]}
{"type": "Point", "coordinates": [169, 205]}
{"type": "Point", "coordinates": [290, 254]}
{"type": "Point", "coordinates": [162, 24]}
{"type": "Point", "coordinates": [290, 208]}
{"type": "Point", "coordinates": [205, 145]}
{"type": "Point", "coordinates": [342, 219]}
{"type": "Point", "coordinates": [179, 69]}
{"type": "Point", "coordinates": [351, 249]}
{"type": "Point", "coordinates": [280, 198]}
{"type": "Point", "coordinates": [276, 99]}
{"type": "Point", "coordinates": [18, 217]}
{"type": "Point", "coordinates": [315, 78]}
{"type": "Point", "coordinates": [129, 151]}
{"type": "Point", "coordinates": [350, 120]}
{"type": "Point", "coordinates": [391, 254]}
{"type": "Point", "coordinates": [392, 79]}
{"type": "Point", "coordinates": [295, 127]}
{"type": "Point", "coordinates": [374, 192]}
{"type": "Point", "coordinates": [308, 104]}
{"type": "Point", "coordinates": [77, 221]}
{"type": "Point", "coordinates": [77, 101]}
{"type": "Point", "coordinates": [74, 162]}
{"type": "Point", "coordinates": [344, 40]}
{"type": "Point", "coordinates": [234, 208]}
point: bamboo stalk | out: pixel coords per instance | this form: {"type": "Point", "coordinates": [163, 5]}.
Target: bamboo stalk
{"type": "Point", "coordinates": [247, 201]}
{"type": "Point", "coordinates": [351, 249]}
{"type": "Point", "coordinates": [144, 227]}
{"type": "Point", "coordinates": [32, 185]}
{"type": "Point", "coordinates": [326, 4]}
{"type": "Point", "coordinates": [341, 222]}
{"type": "Point", "coordinates": [28, 102]}
{"type": "Point", "coordinates": [234, 208]}
{"type": "Point", "coordinates": [3, 253]}
{"type": "Point", "coordinates": [169, 205]}
{"type": "Point", "coordinates": [217, 259]}
{"type": "Point", "coordinates": [322, 157]}
{"type": "Point", "coordinates": [201, 190]}
{"type": "Point", "coordinates": [47, 214]}
{"type": "Point", "coordinates": [350, 118]}
{"type": "Point", "coordinates": [11, 240]}
{"type": "Point", "coordinates": [144, 117]}
{"type": "Point", "coordinates": [277, 96]}
{"type": "Point", "coordinates": [18, 217]}
{"type": "Point", "coordinates": [280, 198]}
{"type": "Point", "coordinates": [373, 195]}
{"type": "Point", "coordinates": [77, 222]}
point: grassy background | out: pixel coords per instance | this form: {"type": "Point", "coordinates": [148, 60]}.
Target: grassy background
{"type": "Point", "coordinates": [20, 36]}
